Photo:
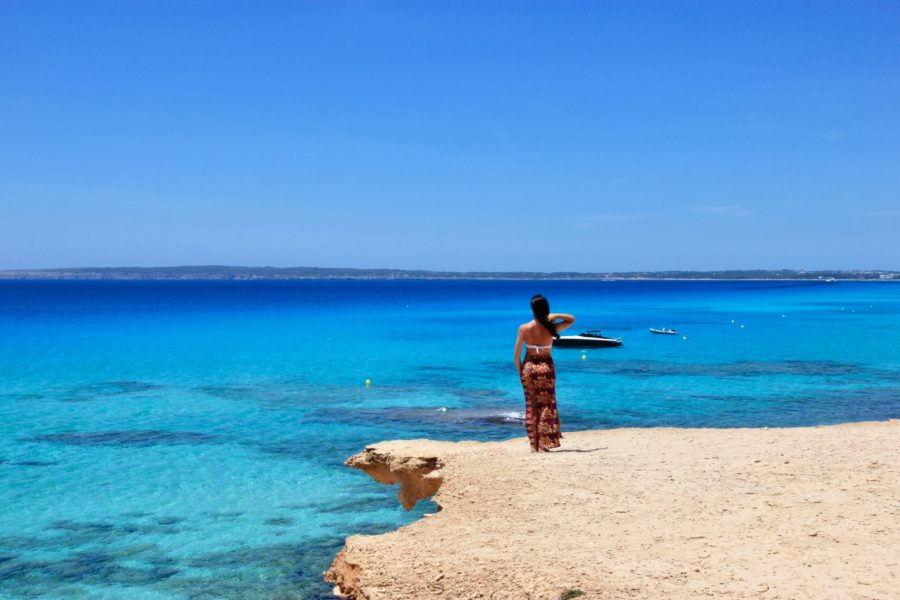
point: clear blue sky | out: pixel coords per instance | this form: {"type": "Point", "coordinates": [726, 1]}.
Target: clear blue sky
{"type": "Point", "coordinates": [450, 135]}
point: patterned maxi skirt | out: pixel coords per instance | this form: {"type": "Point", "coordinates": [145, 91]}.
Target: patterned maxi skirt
{"type": "Point", "coordinates": [541, 418]}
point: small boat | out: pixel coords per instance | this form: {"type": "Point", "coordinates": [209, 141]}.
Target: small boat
{"type": "Point", "coordinates": [830, 280]}
{"type": "Point", "coordinates": [587, 339]}
{"type": "Point", "coordinates": [664, 331]}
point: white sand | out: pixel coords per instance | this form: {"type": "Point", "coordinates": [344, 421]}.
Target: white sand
{"type": "Point", "coordinates": [641, 513]}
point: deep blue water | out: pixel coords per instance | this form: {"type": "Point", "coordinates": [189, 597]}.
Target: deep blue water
{"type": "Point", "coordinates": [184, 440]}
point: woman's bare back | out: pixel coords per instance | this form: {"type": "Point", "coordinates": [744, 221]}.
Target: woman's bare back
{"type": "Point", "coordinates": [535, 334]}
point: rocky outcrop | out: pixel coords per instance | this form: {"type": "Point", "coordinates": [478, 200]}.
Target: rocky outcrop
{"type": "Point", "coordinates": [640, 514]}
{"type": "Point", "coordinates": [344, 573]}
{"type": "Point", "coordinates": [419, 476]}
{"type": "Point", "coordinates": [418, 467]}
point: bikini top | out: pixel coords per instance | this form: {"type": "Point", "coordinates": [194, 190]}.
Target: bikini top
{"type": "Point", "coordinates": [539, 348]}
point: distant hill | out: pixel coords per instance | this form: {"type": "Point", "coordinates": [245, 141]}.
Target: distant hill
{"type": "Point", "coordinates": [226, 273]}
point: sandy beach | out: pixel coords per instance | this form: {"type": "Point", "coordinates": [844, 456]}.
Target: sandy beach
{"type": "Point", "coordinates": [809, 512]}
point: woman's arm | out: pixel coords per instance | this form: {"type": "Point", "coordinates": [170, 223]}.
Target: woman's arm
{"type": "Point", "coordinates": [561, 320]}
{"type": "Point", "coordinates": [518, 357]}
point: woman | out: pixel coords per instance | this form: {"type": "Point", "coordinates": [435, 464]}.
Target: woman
{"type": "Point", "coordinates": [538, 375]}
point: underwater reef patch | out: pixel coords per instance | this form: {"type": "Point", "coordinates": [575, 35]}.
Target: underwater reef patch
{"type": "Point", "coordinates": [650, 368]}
{"type": "Point", "coordinates": [126, 438]}
{"type": "Point", "coordinates": [103, 389]}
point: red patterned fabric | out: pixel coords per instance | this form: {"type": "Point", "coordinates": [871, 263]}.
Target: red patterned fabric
{"type": "Point", "coordinates": [541, 417]}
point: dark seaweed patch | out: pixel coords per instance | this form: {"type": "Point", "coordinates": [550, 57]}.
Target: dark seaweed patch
{"type": "Point", "coordinates": [33, 463]}
{"type": "Point", "coordinates": [89, 557]}
{"type": "Point", "coordinates": [814, 407]}
{"type": "Point", "coordinates": [268, 572]}
{"type": "Point", "coordinates": [92, 391]}
{"type": "Point", "coordinates": [481, 394]}
{"type": "Point", "coordinates": [19, 542]}
{"type": "Point", "coordinates": [79, 526]}
{"type": "Point", "coordinates": [487, 423]}
{"type": "Point", "coordinates": [649, 368]}
{"type": "Point", "coordinates": [280, 521]}
{"type": "Point", "coordinates": [814, 368]}
{"type": "Point", "coordinates": [104, 555]}
{"type": "Point", "coordinates": [99, 567]}
{"type": "Point", "coordinates": [227, 514]}
{"type": "Point", "coordinates": [123, 387]}
{"type": "Point", "coordinates": [884, 375]}
{"type": "Point", "coordinates": [23, 396]}
{"type": "Point", "coordinates": [15, 568]}
{"type": "Point", "coordinates": [71, 534]}
{"type": "Point", "coordinates": [228, 392]}
{"type": "Point", "coordinates": [151, 528]}
{"type": "Point", "coordinates": [348, 529]}
{"type": "Point", "coordinates": [319, 449]}
{"type": "Point", "coordinates": [128, 438]}
{"type": "Point", "coordinates": [359, 505]}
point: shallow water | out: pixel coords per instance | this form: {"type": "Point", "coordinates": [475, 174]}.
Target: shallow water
{"type": "Point", "coordinates": [167, 440]}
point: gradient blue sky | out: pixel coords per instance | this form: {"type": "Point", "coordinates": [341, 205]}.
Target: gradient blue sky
{"type": "Point", "coordinates": [450, 135]}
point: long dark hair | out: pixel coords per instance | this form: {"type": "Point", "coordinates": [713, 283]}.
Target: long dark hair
{"type": "Point", "coordinates": [541, 309]}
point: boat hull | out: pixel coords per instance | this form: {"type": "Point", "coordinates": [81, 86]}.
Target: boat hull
{"type": "Point", "coordinates": [577, 341]}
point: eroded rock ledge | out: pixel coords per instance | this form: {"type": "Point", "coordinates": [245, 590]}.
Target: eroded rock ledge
{"type": "Point", "coordinates": [639, 514]}
{"type": "Point", "coordinates": [417, 467]}
{"type": "Point", "coordinates": [419, 476]}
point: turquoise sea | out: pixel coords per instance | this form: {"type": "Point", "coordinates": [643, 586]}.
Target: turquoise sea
{"type": "Point", "coordinates": [184, 440]}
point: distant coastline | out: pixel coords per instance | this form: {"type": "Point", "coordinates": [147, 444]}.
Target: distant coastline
{"type": "Point", "coordinates": [231, 273]}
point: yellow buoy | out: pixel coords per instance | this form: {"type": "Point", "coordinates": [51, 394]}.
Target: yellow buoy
{"type": "Point", "coordinates": [368, 382]}
{"type": "Point", "coordinates": [584, 357]}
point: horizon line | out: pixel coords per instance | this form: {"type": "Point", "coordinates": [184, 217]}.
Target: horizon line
{"type": "Point", "coordinates": [221, 267]}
